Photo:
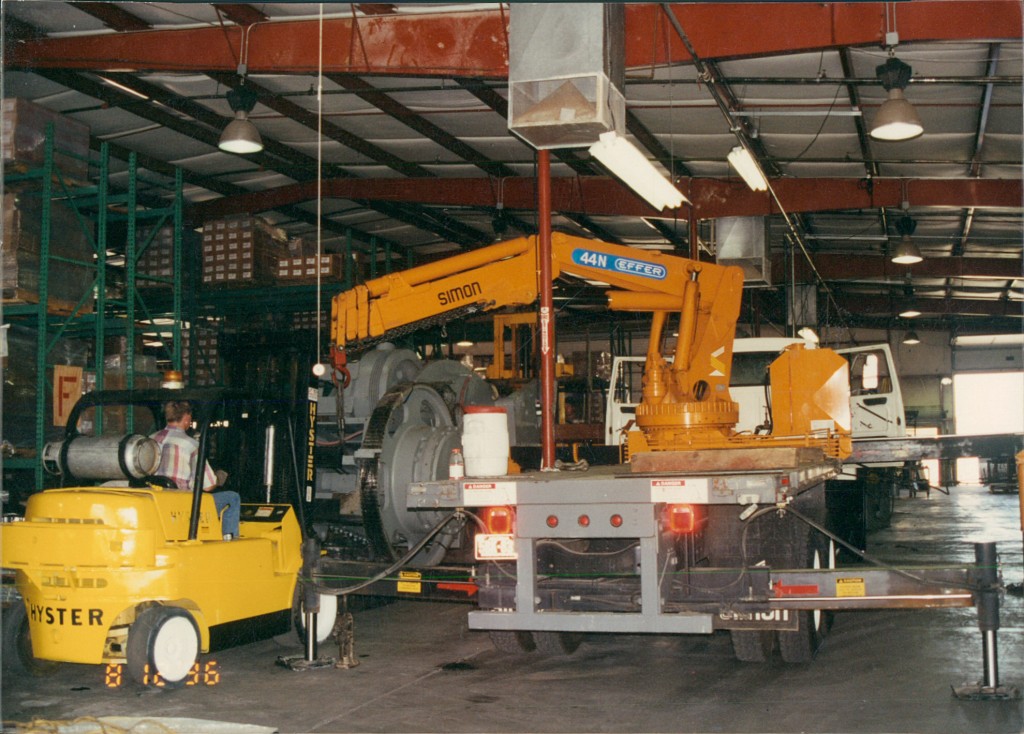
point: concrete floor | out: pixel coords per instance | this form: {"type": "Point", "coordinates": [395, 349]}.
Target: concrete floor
{"type": "Point", "coordinates": [422, 670]}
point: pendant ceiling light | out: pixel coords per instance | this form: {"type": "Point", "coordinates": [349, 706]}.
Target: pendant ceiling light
{"type": "Point", "coordinates": [911, 338]}
{"type": "Point", "coordinates": [908, 307]}
{"type": "Point", "coordinates": [240, 135]}
{"type": "Point", "coordinates": [896, 119]}
{"type": "Point", "coordinates": [907, 253]}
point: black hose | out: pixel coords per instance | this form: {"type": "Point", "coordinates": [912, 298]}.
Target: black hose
{"type": "Point", "coordinates": [404, 560]}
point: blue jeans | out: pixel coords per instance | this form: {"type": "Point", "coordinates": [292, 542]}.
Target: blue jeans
{"type": "Point", "coordinates": [229, 506]}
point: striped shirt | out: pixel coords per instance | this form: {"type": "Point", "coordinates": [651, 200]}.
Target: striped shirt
{"type": "Point", "coordinates": [178, 452]}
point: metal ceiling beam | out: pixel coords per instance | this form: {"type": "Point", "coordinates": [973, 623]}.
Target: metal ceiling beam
{"type": "Point", "coordinates": [931, 307]}
{"type": "Point", "coordinates": [336, 133]}
{"type": "Point", "coordinates": [980, 127]}
{"type": "Point", "coordinates": [240, 13]}
{"type": "Point", "coordinates": [650, 141]}
{"type": "Point", "coordinates": [474, 43]}
{"type": "Point", "coordinates": [366, 92]}
{"type": "Point", "coordinates": [596, 196]}
{"type": "Point", "coordinates": [113, 16]}
{"type": "Point", "coordinates": [275, 156]}
{"type": "Point", "coordinates": [842, 267]}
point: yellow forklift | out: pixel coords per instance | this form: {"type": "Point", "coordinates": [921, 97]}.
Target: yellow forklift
{"type": "Point", "coordinates": [114, 568]}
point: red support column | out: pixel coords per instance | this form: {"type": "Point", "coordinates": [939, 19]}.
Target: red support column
{"type": "Point", "coordinates": [547, 313]}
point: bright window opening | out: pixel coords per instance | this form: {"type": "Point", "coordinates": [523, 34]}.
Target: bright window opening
{"type": "Point", "coordinates": [986, 402]}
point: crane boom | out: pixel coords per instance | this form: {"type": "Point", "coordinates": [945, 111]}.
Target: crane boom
{"type": "Point", "coordinates": [686, 402]}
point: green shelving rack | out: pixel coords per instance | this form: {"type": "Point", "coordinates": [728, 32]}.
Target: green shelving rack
{"type": "Point", "coordinates": [110, 316]}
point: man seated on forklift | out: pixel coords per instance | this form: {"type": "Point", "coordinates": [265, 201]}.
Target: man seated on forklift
{"type": "Point", "coordinates": [178, 452]}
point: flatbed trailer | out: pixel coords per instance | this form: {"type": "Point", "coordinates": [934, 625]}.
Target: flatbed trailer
{"type": "Point", "coordinates": [646, 548]}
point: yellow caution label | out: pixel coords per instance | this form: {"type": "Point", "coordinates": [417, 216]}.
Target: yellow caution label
{"type": "Point", "coordinates": [851, 587]}
{"type": "Point", "coordinates": [409, 582]}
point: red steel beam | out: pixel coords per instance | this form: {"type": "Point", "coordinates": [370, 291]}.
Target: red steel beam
{"type": "Point", "coordinates": [712, 198]}
{"type": "Point", "coordinates": [475, 43]}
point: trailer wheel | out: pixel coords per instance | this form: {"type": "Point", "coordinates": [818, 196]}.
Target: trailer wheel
{"type": "Point", "coordinates": [512, 642]}
{"type": "Point", "coordinates": [17, 645]}
{"type": "Point", "coordinates": [557, 643]}
{"type": "Point", "coordinates": [753, 646]}
{"type": "Point", "coordinates": [163, 645]}
{"type": "Point", "coordinates": [801, 645]}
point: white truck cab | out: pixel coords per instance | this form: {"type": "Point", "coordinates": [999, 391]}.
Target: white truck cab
{"type": "Point", "coordinates": [876, 402]}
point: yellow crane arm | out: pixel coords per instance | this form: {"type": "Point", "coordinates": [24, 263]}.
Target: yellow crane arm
{"type": "Point", "coordinates": [491, 277]}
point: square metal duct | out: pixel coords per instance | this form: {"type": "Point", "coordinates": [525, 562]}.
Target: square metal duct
{"type": "Point", "coordinates": [742, 241]}
{"type": "Point", "coordinates": [566, 65]}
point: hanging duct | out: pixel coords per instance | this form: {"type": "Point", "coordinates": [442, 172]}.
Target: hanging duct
{"type": "Point", "coordinates": [742, 241]}
{"type": "Point", "coordinates": [566, 65]}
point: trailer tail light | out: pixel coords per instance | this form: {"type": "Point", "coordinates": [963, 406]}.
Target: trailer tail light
{"type": "Point", "coordinates": [499, 520]}
{"type": "Point", "coordinates": [496, 543]}
{"type": "Point", "coordinates": [681, 519]}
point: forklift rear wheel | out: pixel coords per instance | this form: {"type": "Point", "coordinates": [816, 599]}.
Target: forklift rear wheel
{"type": "Point", "coordinates": [557, 643]}
{"type": "Point", "coordinates": [17, 645]}
{"type": "Point", "coordinates": [163, 645]}
{"type": "Point", "coordinates": [512, 642]}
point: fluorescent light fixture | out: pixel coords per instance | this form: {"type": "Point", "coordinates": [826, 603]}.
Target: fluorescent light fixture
{"type": "Point", "coordinates": [911, 338]}
{"type": "Point", "coordinates": [624, 160]}
{"type": "Point", "coordinates": [896, 119]}
{"type": "Point", "coordinates": [747, 167]}
{"type": "Point", "coordinates": [909, 312]}
{"type": "Point", "coordinates": [464, 343]}
{"type": "Point", "coordinates": [240, 135]}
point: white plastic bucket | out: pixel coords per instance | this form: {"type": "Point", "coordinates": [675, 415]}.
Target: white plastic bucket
{"type": "Point", "coordinates": [485, 440]}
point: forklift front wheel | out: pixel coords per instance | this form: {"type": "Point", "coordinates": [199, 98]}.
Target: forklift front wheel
{"type": "Point", "coordinates": [325, 618]}
{"type": "Point", "coordinates": [17, 645]}
{"type": "Point", "coordinates": [163, 645]}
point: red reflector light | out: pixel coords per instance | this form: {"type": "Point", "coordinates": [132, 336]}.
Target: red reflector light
{"type": "Point", "coordinates": [616, 521]}
{"type": "Point", "coordinates": [680, 519]}
{"type": "Point", "coordinates": [499, 520]}
{"type": "Point", "coordinates": [552, 521]}
{"type": "Point", "coordinates": [584, 521]}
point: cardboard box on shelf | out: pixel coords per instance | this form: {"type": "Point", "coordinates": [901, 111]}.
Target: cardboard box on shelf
{"type": "Point", "coordinates": [23, 138]}
{"type": "Point", "coordinates": [241, 251]}
{"type": "Point", "coordinates": [71, 276]}
{"type": "Point", "coordinates": [304, 269]}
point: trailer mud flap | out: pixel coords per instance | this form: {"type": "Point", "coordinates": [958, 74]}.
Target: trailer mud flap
{"type": "Point", "coordinates": [769, 619]}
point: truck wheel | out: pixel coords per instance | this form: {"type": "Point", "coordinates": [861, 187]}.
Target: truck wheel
{"type": "Point", "coordinates": [753, 646]}
{"type": "Point", "coordinates": [879, 502]}
{"type": "Point", "coordinates": [557, 643]}
{"type": "Point", "coordinates": [512, 642]}
{"type": "Point", "coordinates": [163, 645]}
{"type": "Point", "coordinates": [325, 618]}
{"type": "Point", "coordinates": [17, 645]}
{"type": "Point", "coordinates": [801, 645]}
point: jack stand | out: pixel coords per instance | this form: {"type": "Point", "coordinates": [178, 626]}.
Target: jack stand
{"type": "Point", "coordinates": [310, 606]}
{"type": "Point", "coordinates": [988, 622]}
{"type": "Point", "coordinates": [345, 632]}
{"type": "Point", "coordinates": [308, 661]}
